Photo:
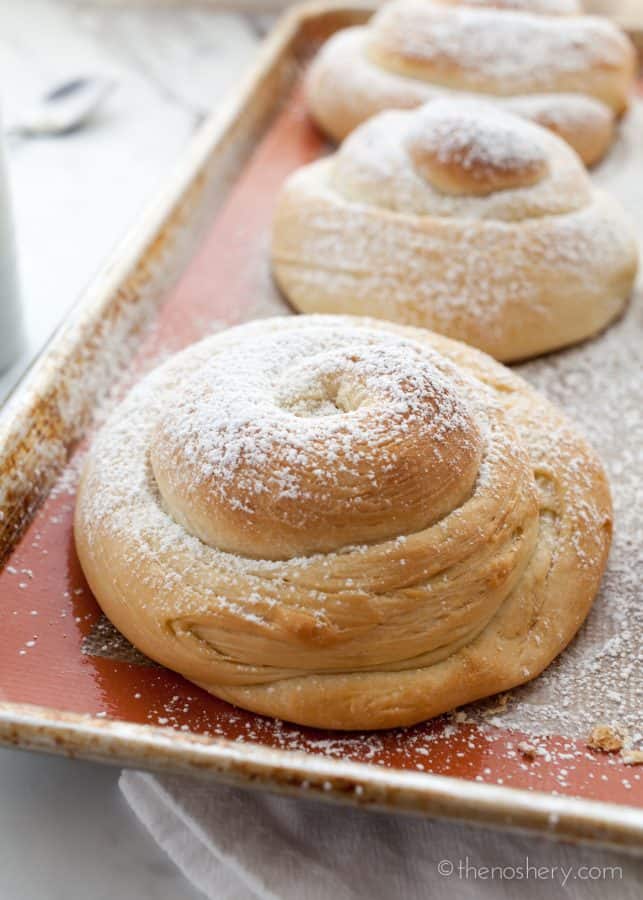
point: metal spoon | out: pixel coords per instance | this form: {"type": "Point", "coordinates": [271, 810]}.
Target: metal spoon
{"type": "Point", "coordinates": [65, 108]}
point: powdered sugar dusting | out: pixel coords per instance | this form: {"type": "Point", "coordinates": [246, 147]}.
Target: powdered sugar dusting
{"type": "Point", "coordinates": [477, 137]}
{"type": "Point", "coordinates": [228, 444]}
{"type": "Point", "coordinates": [373, 164]}
{"type": "Point", "coordinates": [346, 87]}
{"type": "Point", "coordinates": [502, 51]}
{"type": "Point", "coordinates": [278, 403]}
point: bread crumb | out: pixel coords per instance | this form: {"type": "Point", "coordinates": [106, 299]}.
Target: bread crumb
{"type": "Point", "coordinates": [500, 705]}
{"type": "Point", "coordinates": [528, 750]}
{"type": "Point", "coordinates": [606, 738]}
{"type": "Point", "coordinates": [633, 757]}
{"type": "Point", "coordinates": [532, 751]}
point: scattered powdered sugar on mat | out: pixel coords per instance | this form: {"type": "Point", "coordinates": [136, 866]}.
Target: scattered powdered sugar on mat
{"type": "Point", "coordinates": [598, 678]}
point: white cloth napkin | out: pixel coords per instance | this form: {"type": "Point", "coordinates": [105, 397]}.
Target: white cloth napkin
{"type": "Point", "coordinates": [242, 845]}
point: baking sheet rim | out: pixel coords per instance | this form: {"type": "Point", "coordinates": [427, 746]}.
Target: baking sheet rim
{"type": "Point", "coordinates": [319, 777]}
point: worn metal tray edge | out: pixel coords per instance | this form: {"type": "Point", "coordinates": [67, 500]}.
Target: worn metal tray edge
{"type": "Point", "coordinates": [319, 777]}
{"type": "Point", "coordinates": [44, 418]}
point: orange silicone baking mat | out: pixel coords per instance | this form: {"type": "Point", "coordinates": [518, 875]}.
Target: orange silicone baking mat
{"type": "Point", "coordinates": [57, 650]}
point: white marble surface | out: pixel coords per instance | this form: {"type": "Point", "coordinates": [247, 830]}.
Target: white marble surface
{"type": "Point", "coordinates": [65, 831]}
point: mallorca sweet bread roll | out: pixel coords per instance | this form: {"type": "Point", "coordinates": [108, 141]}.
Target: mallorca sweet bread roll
{"type": "Point", "coordinates": [342, 522]}
{"type": "Point", "coordinates": [460, 218]}
{"type": "Point", "coordinates": [570, 73]}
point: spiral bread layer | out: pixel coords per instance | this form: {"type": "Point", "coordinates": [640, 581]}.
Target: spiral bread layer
{"type": "Point", "coordinates": [342, 522]}
{"type": "Point", "coordinates": [460, 218]}
{"type": "Point", "coordinates": [570, 73]}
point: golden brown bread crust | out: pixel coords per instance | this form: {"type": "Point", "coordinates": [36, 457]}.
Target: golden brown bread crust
{"type": "Point", "coordinates": [573, 74]}
{"type": "Point", "coordinates": [459, 218]}
{"type": "Point", "coordinates": [369, 636]}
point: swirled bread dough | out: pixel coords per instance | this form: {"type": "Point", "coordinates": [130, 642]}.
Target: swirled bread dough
{"type": "Point", "coordinates": [449, 526]}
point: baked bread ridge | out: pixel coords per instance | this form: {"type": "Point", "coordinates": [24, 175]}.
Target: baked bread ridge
{"type": "Point", "coordinates": [372, 636]}
{"type": "Point", "coordinates": [421, 218]}
{"type": "Point", "coordinates": [572, 74]}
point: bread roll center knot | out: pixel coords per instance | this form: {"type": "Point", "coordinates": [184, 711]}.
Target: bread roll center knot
{"type": "Point", "coordinates": [313, 440]}
{"type": "Point", "coordinates": [462, 149]}
{"type": "Point", "coordinates": [325, 391]}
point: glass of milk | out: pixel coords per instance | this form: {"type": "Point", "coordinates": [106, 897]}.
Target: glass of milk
{"type": "Point", "coordinates": [11, 334]}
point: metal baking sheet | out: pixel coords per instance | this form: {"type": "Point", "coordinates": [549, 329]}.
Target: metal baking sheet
{"type": "Point", "coordinates": [70, 684]}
